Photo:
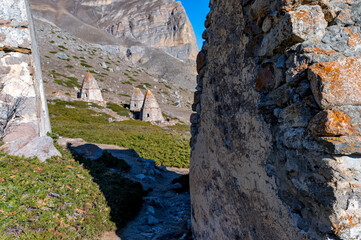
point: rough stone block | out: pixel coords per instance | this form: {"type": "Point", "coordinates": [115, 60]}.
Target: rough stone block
{"type": "Point", "coordinates": [13, 11]}
{"type": "Point", "coordinates": [344, 17]}
{"type": "Point", "coordinates": [194, 119]}
{"type": "Point", "coordinates": [331, 123]}
{"type": "Point", "coordinates": [265, 80]}
{"type": "Point", "coordinates": [306, 23]}
{"type": "Point", "coordinates": [15, 37]}
{"type": "Point", "coordinates": [336, 83]}
{"type": "Point", "coordinates": [201, 61]}
{"type": "Point", "coordinates": [344, 145]}
{"type": "Point", "coordinates": [296, 115]}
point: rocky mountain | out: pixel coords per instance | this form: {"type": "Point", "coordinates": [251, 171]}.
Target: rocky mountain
{"type": "Point", "coordinates": [154, 34]}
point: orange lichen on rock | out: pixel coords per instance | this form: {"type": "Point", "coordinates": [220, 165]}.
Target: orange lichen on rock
{"type": "Point", "coordinates": [354, 41]}
{"type": "Point", "coordinates": [331, 123]}
{"type": "Point", "coordinates": [336, 83]}
{"type": "Point", "coordinates": [317, 51]}
{"type": "Point", "coordinates": [343, 144]}
{"type": "Point", "coordinates": [308, 22]}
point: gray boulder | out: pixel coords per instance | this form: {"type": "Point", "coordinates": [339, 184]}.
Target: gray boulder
{"type": "Point", "coordinates": [40, 147]}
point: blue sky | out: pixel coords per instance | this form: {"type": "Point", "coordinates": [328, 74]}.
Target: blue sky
{"type": "Point", "coordinates": [197, 11]}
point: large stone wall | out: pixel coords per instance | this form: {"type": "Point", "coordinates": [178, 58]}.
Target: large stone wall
{"type": "Point", "coordinates": [276, 135]}
{"type": "Point", "coordinates": [24, 119]}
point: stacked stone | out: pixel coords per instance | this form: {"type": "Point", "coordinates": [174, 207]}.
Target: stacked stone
{"type": "Point", "coordinates": [90, 91]}
{"type": "Point", "coordinates": [151, 111]}
{"type": "Point", "coordinates": [24, 120]}
{"type": "Point", "coordinates": [276, 137]}
{"type": "Point", "coordinates": [137, 100]}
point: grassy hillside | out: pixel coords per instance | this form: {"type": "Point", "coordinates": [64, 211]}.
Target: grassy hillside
{"type": "Point", "coordinates": [167, 146]}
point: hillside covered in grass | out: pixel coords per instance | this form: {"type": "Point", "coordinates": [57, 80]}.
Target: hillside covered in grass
{"type": "Point", "coordinates": [168, 146]}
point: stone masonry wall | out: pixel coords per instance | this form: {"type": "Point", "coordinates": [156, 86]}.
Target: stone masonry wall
{"type": "Point", "coordinates": [276, 143]}
{"type": "Point", "coordinates": [23, 108]}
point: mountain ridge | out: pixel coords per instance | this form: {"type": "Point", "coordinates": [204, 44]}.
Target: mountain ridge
{"type": "Point", "coordinates": [155, 35]}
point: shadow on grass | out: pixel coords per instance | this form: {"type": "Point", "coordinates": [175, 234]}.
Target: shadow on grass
{"type": "Point", "coordinates": [124, 196]}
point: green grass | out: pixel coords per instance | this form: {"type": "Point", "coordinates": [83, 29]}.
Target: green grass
{"type": "Point", "coordinates": [85, 65]}
{"type": "Point", "coordinates": [62, 47]}
{"type": "Point", "coordinates": [141, 87]}
{"type": "Point", "coordinates": [70, 82]}
{"type": "Point", "coordinates": [127, 82]}
{"type": "Point", "coordinates": [65, 198]}
{"type": "Point", "coordinates": [118, 109]}
{"type": "Point", "coordinates": [124, 95]}
{"type": "Point", "coordinates": [167, 146]}
{"type": "Point", "coordinates": [53, 200]}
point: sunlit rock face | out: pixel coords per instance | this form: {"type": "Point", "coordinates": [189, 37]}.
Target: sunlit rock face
{"type": "Point", "coordinates": [156, 23]}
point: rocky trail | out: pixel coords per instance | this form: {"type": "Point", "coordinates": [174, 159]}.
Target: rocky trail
{"type": "Point", "coordinates": [165, 213]}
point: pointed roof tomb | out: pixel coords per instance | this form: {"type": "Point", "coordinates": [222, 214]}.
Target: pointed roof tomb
{"type": "Point", "coordinates": [137, 100]}
{"type": "Point", "coordinates": [89, 90]}
{"type": "Point", "coordinates": [151, 111]}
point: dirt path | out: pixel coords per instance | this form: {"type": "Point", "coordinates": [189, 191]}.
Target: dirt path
{"type": "Point", "coordinates": [165, 214]}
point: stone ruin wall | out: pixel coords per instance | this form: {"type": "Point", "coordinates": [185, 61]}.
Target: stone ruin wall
{"type": "Point", "coordinates": [23, 107]}
{"type": "Point", "coordinates": [276, 145]}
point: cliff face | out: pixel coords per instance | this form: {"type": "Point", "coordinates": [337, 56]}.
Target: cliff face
{"type": "Point", "coordinates": [156, 23]}
{"type": "Point", "coordinates": [155, 34]}
{"type": "Point", "coordinates": [276, 133]}
{"type": "Point", "coordinates": [161, 24]}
